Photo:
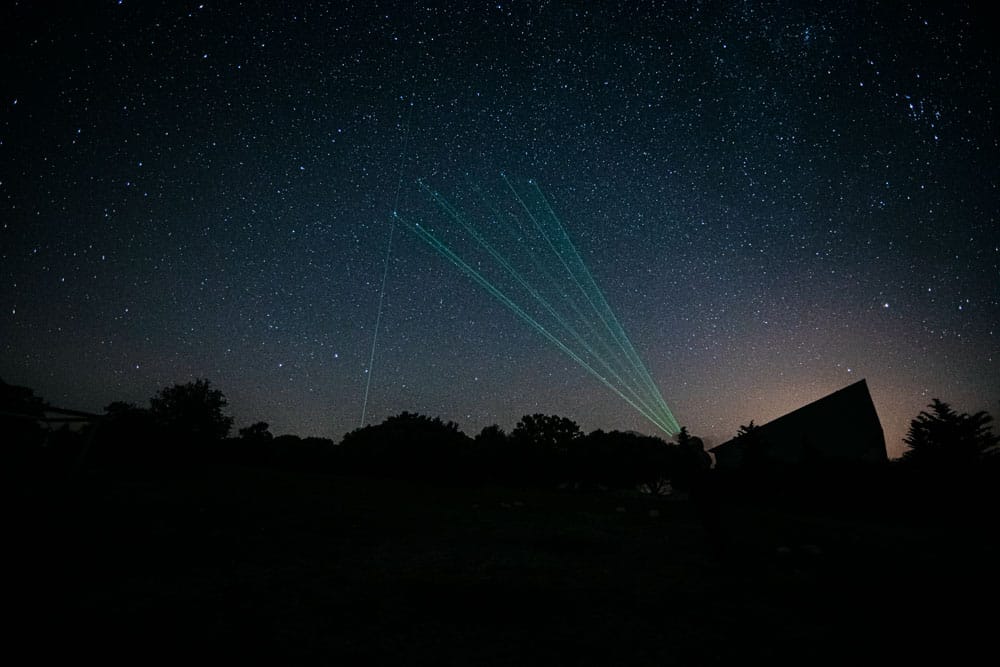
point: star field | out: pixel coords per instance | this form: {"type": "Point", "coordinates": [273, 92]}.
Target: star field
{"type": "Point", "coordinates": [778, 199]}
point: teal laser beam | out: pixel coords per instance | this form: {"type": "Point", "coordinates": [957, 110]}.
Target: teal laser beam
{"type": "Point", "coordinates": [570, 257]}
{"type": "Point", "coordinates": [449, 254]}
{"type": "Point", "coordinates": [618, 330]}
{"type": "Point", "coordinates": [566, 296]}
{"type": "Point", "coordinates": [653, 395]}
{"type": "Point", "coordinates": [609, 347]}
{"type": "Point", "coordinates": [547, 307]}
{"type": "Point", "coordinates": [535, 270]}
{"type": "Point", "coordinates": [587, 348]}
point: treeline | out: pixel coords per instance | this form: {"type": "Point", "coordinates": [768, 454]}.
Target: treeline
{"type": "Point", "coordinates": [540, 450]}
{"type": "Point", "coordinates": [185, 425]}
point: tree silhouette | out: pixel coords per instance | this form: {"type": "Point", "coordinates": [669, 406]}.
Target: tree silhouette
{"type": "Point", "coordinates": [941, 437]}
{"type": "Point", "coordinates": [746, 430]}
{"type": "Point", "coordinates": [491, 455]}
{"type": "Point", "coordinates": [654, 465]}
{"type": "Point", "coordinates": [290, 451]}
{"type": "Point", "coordinates": [407, 445]}
{"type": "Point", "coordinates": [191, 412]}
{"type": "Point", "coordinates": [256, 432]}
{"type": "Point", "coordinates": [755, 455]}
{"type": "Point", "coordinates": [125, 435]}
{"type": "Point", "coordinates": [540, 448]}
{"type": "Point", "coordinates": [692, 461]}
{"type": "Point", "coordinates": [491, 437]}
{"type": "Point", "coordinates": [546, 432]}
{"type": "Point", "coordinates": [254, 446]}
{"type": "Point", "coordinates": [627, 461]}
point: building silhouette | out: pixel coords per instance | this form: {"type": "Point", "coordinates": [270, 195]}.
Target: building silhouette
{"type": "Point", "coordinates": [842, 427]}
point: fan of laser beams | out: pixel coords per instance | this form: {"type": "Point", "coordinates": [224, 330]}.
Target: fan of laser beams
{"type": "Point", "coordinates": [516, 248]}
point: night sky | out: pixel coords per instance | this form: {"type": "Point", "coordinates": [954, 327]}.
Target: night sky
{"type": "Point", "coordinates": [778, 199]}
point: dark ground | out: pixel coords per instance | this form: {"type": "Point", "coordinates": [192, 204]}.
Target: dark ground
{"type": "Point", "coordinates": [281, 567]}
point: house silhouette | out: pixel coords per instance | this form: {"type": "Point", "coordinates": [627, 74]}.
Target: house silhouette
{"type": "Point", "coordinates": [842, 426]}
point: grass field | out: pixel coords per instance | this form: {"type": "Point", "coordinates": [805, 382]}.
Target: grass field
{"type": "Point", "coordinates": [293, 568]}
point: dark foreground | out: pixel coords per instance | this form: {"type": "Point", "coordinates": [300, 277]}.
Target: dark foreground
{"type": "Point", "coordinates": [283, 568]}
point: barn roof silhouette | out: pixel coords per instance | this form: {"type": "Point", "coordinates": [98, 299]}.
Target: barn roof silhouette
{"type": "Point", "coordinates": [842, 426]}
